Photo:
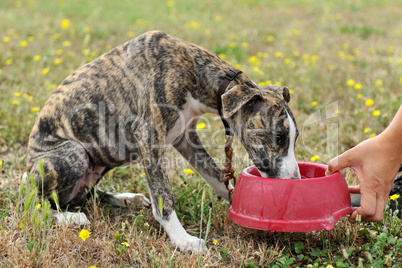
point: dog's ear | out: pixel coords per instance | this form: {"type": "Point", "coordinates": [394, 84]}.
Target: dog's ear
{"type": "Point", "coordinates": [283, 91]}
{"type": "Point", "coordinates": [236, 97]}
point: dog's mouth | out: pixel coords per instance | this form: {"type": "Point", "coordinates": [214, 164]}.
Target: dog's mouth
{"type": "Point", "coordinates": [293, 173]}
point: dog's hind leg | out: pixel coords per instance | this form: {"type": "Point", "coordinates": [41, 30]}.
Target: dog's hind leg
{"type": "Point", "coordinates": [67, 172]}
{"type": "Point", "coordinates": [123, 199]}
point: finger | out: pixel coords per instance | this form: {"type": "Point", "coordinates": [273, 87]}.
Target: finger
{"type": "Point", "coordinates": [338, 163]}
{"type": "Point", "coordinates": [352, 217]}
{"type": "Point", "coordinates": [354, 189]}
{"type": "Point", "coordinates": [368, 204]}
{"type": "Point", "coordinates": [379, 212]}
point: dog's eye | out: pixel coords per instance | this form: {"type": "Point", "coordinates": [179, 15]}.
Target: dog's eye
{"type": "Point", "coordinates": [279, 139]}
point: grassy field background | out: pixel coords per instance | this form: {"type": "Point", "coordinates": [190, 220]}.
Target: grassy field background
{"type": "Point", "coordinates": [342, 61]}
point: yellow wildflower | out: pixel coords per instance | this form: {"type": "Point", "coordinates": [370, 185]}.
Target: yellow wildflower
{"type": "Point", "coordinates": [21, 225]}
{"type": "Point", "coordinates": [143, 173]}
{"type": "Point", "coordinates": [358, 86]}
{"type": "Point", "coordinates": [60, 52]}
{"type": "Point", "coordinates": [342, 54]}
{"type": "Point", "coordinates": [314, 103]}
{"type": "Point", "coordinates": [9, 62]}
{"type": "Point", "coordinates": [372, 135]}
{"type": "Point", "coordinates": [314, 58]}
{"type": "Point", "coordinates": [271, 38]}
{"type": "Point", "coordinates": [394, 197]}
{"type": "Point", "coordinates": [381, 89]}
{"type": "Point", "coordinates": [65, 24]}
{"type": "Point", "coordinates": [125, 244]}
{"type": "Point", "coordinates": [58, 61]}
{"type": "Point", "coordinates": [66, 43]}
{"type": "Point", "coordinates": [84, 234]}
{"type": "Point", "coordinates": [6, 39]}
{"type": "Point", "coordinates": [359, 96]}
{"type": "Point", "coordinates": [146, 224]}
{"type": "Point", "coordinates": [350, 82]}
{"type": "Point", "coordinates": [369, 102]}
{"type": "Point", "coordinates": [141, 211]}
{"type": "Point", "coordinates": [295, 32]}
{"type": "Point", "coordinates": [367, 130]}
{"type": "Point", "coordinates": [296, 53]}
{"type": "Point", "coordinates": [244, 44]}
{"type": "Point", "coordinates": [278, 83]}
{"type": "Point", "coordinates": [330, 67]}
{"type": "Point", "coordinates": [23, 43]}
{"type": "Point", "coordinates": [278, 54]}
{"type": "Point", "coordinates": [376, 113]}
{"type": "Point", "coordinates": [37, 58]}
{"type": "Point", "coordinates": [201, 125]}
{"type": "Point", "coordinates": [188, 171]}
{"type": "Point", "coordinates": [286, 61]}
{"type": "Point", "coordinates": [254, 60]}
{"type": "Point", "coordinates": [31, 38]}
{"type": "Point", "coordinates": [38, 206]}
{"type": "Point", "coordinates": [15, 102]}
{"type": "Point", "coordinates": [378, 82]}
{"type": "Point", "coordinates": [17, 94]}
{"type": "Point", "coordinates": [45, 71]}
{"type": "Point", "coordinates": [170, 3]}
{"type": "Point", "coordinates": [193, 25]}
{"type": "Point", "coordinates": [215, 242]}
{"type": "Point", "coordinates": [315, 158]}
{"type": "Point", "coordinates": [35, 109]}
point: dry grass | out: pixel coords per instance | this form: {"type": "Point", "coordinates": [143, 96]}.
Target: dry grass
{"type": "Point", "coordinates": [314, 47]}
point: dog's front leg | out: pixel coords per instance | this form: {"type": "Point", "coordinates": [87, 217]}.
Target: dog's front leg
{"type": "Point", "coordinates": [192, 149]}
{"type": "Point", "coordinates": [162, 200]}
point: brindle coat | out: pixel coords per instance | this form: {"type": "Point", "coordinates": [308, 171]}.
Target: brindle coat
{"type": "Point", "coordinates": [129, 103]}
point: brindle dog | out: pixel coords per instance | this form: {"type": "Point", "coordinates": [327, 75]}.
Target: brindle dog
{"type": "Point", "coordinates": [130, 103]}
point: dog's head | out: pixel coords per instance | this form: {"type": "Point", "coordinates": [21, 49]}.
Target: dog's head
{"type": "Point", "coordinates": [265, 125]}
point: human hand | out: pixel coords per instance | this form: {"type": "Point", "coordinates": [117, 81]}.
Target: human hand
{"type": "Point", "coordinates": [375, 166]}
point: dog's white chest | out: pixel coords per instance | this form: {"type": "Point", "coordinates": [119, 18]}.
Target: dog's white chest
{"type": "Point", "coordinates": [190, 114]}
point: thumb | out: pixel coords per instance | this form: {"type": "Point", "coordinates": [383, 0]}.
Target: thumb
{"type": "Point", "coordinates": [340, 162]}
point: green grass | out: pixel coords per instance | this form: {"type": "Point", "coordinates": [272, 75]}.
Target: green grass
{"type": "Point", "coordinates": [313, 47]}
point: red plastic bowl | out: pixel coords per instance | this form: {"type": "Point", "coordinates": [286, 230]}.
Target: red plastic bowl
{"type": "Point", "coordinates": [313, 203]}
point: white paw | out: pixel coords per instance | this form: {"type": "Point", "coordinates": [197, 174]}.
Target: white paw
{"type": "Point", "coordinates": [192, 244]}
{"type": "Point", "coordinates": [70, 218]}
{"type": "Point", "coordinates": [130, 199]}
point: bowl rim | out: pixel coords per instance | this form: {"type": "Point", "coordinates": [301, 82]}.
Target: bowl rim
{"type": "Point", "coordinates": [336, 174]}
